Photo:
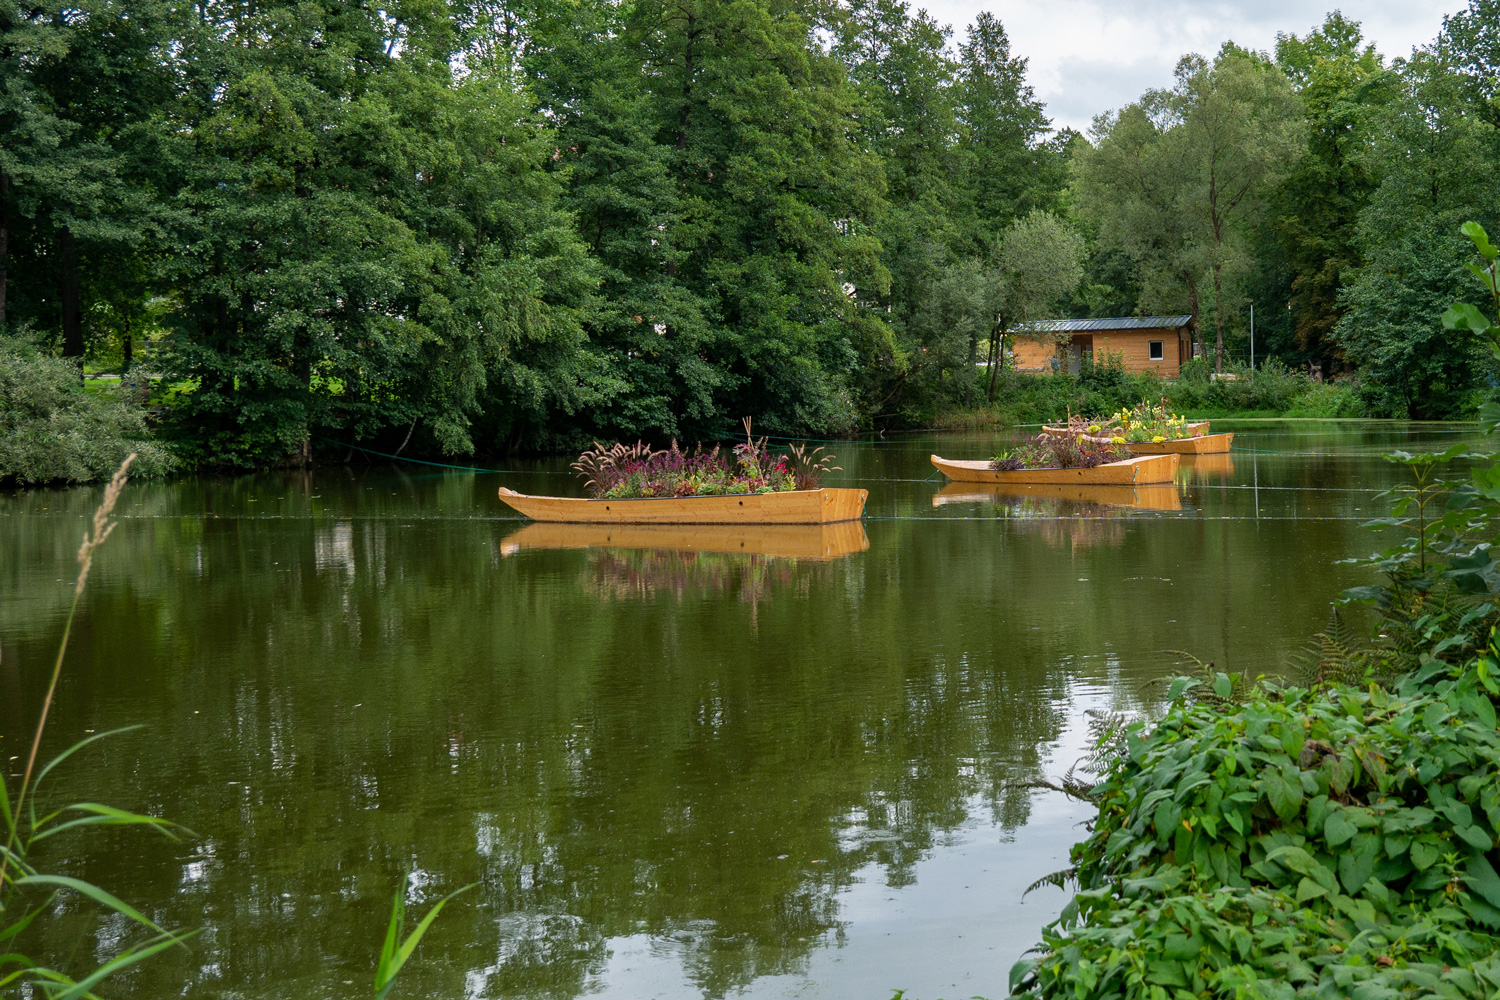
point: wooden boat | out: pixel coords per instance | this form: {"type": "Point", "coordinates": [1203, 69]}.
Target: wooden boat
{"type": "Point", "coordinates": [823, 506]}
{"type": "Point", "coordinates": [807, 542]}
{"type": "Point", "coordinates": [1146, 497]}
{"type": "Point", "coordinates": [1132, 471]}
{"type": "Point", "coordinates": [1207, 444]}
{"type": "Point", "coordinates": [1198, 441]}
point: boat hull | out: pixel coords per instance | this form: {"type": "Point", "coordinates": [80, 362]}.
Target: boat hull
{"type": "Point", "coordinates": [1132, 471]}
{"type": "Point", "coordinates": [812, 542]}
{"type": "Point", "coordinates": [1207, 444]}
{"type": "Point", "coordinates": [825, 506]}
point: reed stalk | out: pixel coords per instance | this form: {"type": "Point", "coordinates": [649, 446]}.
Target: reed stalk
{"type": "Point", "coordinates": [99, 532]}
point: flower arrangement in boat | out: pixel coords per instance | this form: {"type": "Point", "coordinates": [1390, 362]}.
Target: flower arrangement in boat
{"type": "Point", "coordinates": [628, 472]}
{"type": "Point", "coordinates": [1153, 422]}
{"type": "Point", "coordinates": [1058, 451]}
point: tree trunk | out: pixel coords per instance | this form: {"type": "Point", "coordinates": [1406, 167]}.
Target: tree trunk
{"type": "Point", "coordinates": [127, 351]}
{"type": "Point", "coordinates": [997, 355]}
{"type": "Point", "coordinates": [1218, 321]}
{"type": "Point", "coordinates": [67, 280]}
{"type": "Point", "coordinates": [4, 243]}
{"type": "Point", "coordinates": [1195, 328]}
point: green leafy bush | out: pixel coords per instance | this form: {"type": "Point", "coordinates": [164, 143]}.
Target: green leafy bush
{"type": "Point", "coordinates": [1306, 843]}
{"type": "Point", "coordinates": [51, 430]}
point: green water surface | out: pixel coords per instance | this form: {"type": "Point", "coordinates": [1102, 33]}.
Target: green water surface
{"type": "Point", "coordinates": [673, 774]}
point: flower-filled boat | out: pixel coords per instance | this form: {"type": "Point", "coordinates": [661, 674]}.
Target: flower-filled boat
{"type": "Point", "coordinates": [635, 484]}
{"type": "Point", "coordinates": [1063, 458]}
{"type": "Point", "coordinates": [1148, 430]}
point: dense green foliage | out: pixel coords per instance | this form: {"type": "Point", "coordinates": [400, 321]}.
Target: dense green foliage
{"type": "Point", "coordinates": [486, 226]}
{"type": "Point", "coordinates": [1307, 843]}
{"type": "Point", "coordinates": [52, 430]}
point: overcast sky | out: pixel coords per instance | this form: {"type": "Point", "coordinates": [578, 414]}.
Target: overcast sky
{"type": "Point", "coordinates": [1088, 56]}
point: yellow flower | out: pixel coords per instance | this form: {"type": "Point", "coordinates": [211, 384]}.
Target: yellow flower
{"type": "Point", "coordinates": [1158, 439]}
{"type": "Point", "coordinates": [1117, 440]}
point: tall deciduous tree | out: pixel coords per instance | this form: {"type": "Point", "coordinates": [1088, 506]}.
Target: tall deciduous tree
{"type": "Point", "coordinates": [1177, 178]}
{"type": "Point", "coordinates": [1014, 168]}
{"type": "Point", "coordinates": [369, 242]}
{"type": "Point", "coordinates": [1039, 260]}
{"type": "Point", "coordinates": [1430, 143]}
{"type": "Point", "coordinates": [1341, 83]}
{"type": "Point", "coordinates": [1129, 183]}
{"type": "Point", "coordinates": [1239, 128]}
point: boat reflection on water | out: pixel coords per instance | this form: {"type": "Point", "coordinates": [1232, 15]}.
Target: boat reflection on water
{"type": "Point", "coordinates": [642, 561]}
{"type": "Point", "coordinates": [816, 542]}
{"type": "Point", "coordinates": [1163, 496]}
{"type": "Point", "coordinates": [1072, 517]}
{"type": "Point", "coordinates": [1214, 467]}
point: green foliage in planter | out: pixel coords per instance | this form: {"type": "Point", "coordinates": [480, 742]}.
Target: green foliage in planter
{"type": "Point", "coordinates": [1305, 843]}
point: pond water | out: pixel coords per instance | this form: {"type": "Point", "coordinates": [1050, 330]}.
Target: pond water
{"type": "Point", "coordinates": [796, 769]}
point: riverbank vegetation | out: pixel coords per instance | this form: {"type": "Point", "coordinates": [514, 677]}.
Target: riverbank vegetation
{"type": "Point", "coordinates": [467, 228]}
{"type": "Point", "coordinates": [1338, 836]}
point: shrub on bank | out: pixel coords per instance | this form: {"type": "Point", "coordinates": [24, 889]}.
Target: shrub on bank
{"type": "Point", "coordinates": [1306, 843]}
{"type": "Point", "coordinates": [51, 430]}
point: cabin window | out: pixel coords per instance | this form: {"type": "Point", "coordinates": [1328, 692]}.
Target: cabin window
{"type": "Point", "coordinates": [1155, 347]}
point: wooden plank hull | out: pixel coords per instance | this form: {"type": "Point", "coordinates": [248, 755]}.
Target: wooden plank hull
{"type": "Point", "coordinates": [824, 506]}
{"type": "Point", "coordinates": [808, 542]}
{"type": "Point", "coordinates": [1208, 444]}
{"type": "Point", "coordinates": [1130, 472]}
{"type": "Point", "coordinates": [1145, 497]}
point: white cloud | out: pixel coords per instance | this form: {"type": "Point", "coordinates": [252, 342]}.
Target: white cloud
{"type": "Point", "coordinates": [1089, 56]}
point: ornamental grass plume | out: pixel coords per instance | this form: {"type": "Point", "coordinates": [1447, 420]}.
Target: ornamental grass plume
{"type": "Point", "coordinates": [100, 531]}
{"type": "Point", "coordinates": [27, 893]}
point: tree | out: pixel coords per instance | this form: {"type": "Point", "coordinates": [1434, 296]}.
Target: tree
{"type": "Point", "coordinates": [81, 105]}
{"type": "Point", "coordinates": [1239, 127]}
{"type": "Point", "coordinates": [1341, 83]}
{"type": "Point", "coordinates": [1413, 365]}
{"type": "Point", "coordinates": [1013, 169]}
{"type": "Point", "coordinates": [1039, 260]}
{"type": "Point", "coordinates": [1427, 145]}
{"type": "Point", "coordinates": [769, 226]}
{"type": "Point", "coordinates": [369, 243]}
{"type": "Point", "coordinates": [1130, 184]}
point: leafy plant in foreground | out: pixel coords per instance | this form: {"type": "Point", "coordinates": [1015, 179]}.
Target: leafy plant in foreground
{"type": "Point", "coordinates": [26, 892]}
{"type": "Point", "coordinates": [1302, 844]}
{"type": "Point", "coordinates": [395, 951]}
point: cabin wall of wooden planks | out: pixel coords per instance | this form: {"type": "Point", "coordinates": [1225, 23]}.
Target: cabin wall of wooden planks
{"type": "Point", "coordinates": [1133, 346]}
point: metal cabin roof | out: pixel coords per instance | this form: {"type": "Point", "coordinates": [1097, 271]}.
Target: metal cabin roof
{"type": "Point", "coordinates": [1117, 323]}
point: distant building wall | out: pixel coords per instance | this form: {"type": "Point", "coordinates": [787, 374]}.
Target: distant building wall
{"type": "Point", "coordinates": [1133, 346]}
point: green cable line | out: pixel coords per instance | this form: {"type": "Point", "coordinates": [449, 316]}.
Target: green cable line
{"type": "Point", "coordinates": [439, 465]}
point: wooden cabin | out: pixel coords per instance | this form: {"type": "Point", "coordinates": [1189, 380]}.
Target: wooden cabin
{"type": "Point", "coordinates": [1146, 343]}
